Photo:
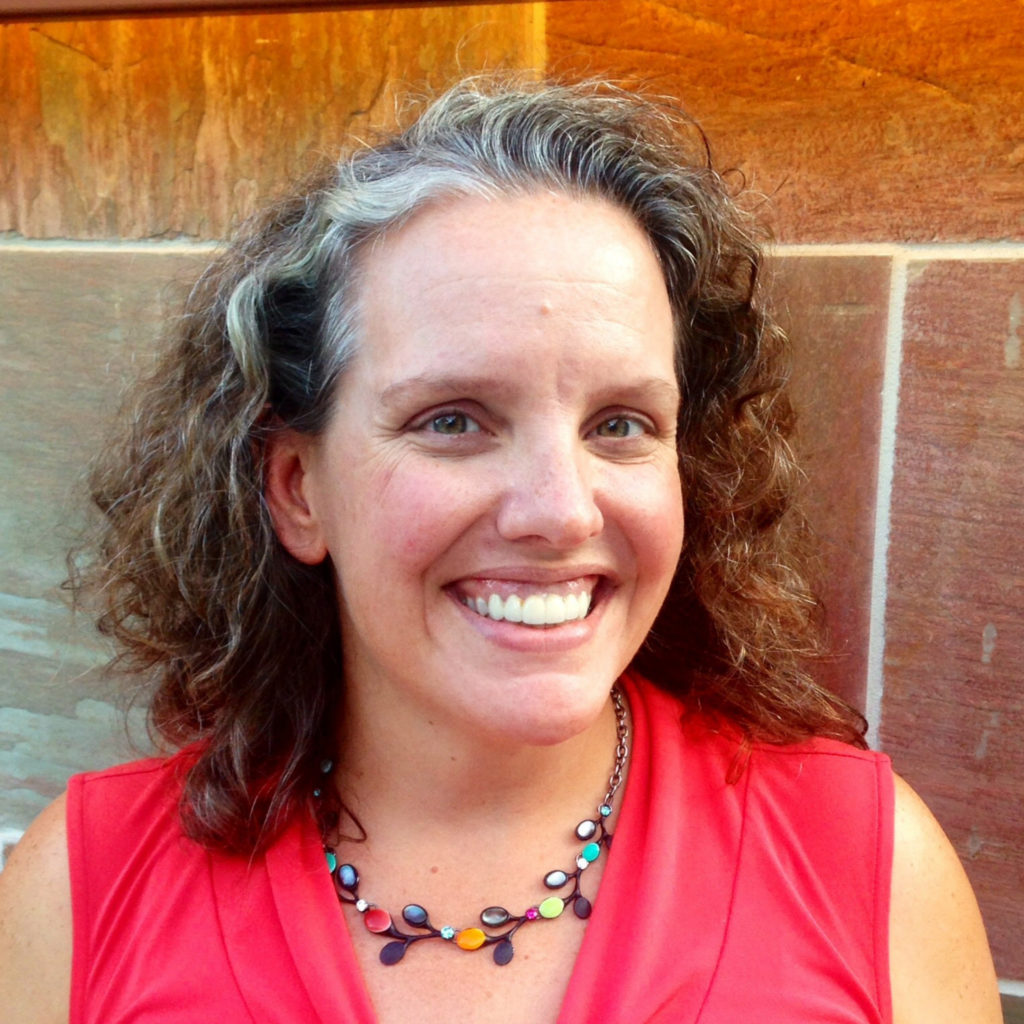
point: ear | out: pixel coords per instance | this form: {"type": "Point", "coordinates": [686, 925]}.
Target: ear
{"type": "Point", "coordinates": [287, 459]}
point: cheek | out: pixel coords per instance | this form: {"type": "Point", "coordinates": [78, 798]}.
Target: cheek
{"type": "Point", "coordinates": [656, 521]}
{"type": "Point", "coordinates": [663, 537]}
{"type": "Point", "coordinates": [418, 512]}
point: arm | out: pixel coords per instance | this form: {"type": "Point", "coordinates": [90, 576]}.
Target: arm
{"type": "Point", "coordinates": [35, 924]}
{"type": "Point", "coordinates": [939, 959]}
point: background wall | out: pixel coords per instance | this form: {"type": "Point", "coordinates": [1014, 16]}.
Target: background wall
{"type": "Point", "coordinates": [888, 137]}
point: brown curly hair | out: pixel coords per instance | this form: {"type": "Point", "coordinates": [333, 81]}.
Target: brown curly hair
{"type": "Point", "coordinates": [244, 641]}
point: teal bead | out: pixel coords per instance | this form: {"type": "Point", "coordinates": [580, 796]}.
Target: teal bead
{"type": "Point", "coordinates": [332, 861]}
{"type": "Point", "coordinates": [591, 852]}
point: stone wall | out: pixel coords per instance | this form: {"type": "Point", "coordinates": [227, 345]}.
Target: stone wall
{"type": "Point", "coordinates": [888, 139]}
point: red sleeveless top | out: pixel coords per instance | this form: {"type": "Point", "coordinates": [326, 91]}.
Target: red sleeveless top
{"type": "Point", "coordinates": [764, 900]}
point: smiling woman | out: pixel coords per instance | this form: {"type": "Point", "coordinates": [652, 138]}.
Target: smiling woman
{"type": "Point", "coordinates": [499, 340]}
{"type": "Point", "coordinates": [399, 525]}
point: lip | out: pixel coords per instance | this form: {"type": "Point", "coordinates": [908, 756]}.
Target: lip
{"type": "Point", "coordinates": [539, 575]}
{"type": "Point", "coordinates": [548, 639]}
{"type": "Point", "coordinates": [522, 581]}
{"type": "Point", "coordinates": [504, 587]}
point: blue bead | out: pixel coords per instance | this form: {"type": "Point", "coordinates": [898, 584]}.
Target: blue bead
{"type": "Point", "coordinates": [348, 877]}
{"type": "Point", "coordinates": [605, 810]}
{"type": "Point", "coordinates": [447, 932]}
{"type": "Point", "coordinates": [415, 915]}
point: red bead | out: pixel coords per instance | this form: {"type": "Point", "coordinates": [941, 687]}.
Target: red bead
{"type": "Point", "coordinates": [377, 920]}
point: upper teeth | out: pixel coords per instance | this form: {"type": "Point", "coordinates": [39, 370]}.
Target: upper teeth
{"type": "Point", "coordinates": [535, 610]}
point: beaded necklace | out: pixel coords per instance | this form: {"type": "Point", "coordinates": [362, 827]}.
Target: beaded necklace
{"type": "Point", "coordinates": [592, 831]}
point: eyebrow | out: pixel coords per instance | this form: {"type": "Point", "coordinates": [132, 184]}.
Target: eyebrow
{"type": "Point", "coordinates": [393, 394]}
{"type": "Point", "coordinates": [656, 388]}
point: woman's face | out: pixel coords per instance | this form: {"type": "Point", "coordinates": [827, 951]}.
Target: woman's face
{"type": "Point", "coordinates": [498, 487]}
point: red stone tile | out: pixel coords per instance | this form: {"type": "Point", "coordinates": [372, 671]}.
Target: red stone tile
{"type": "Point", "coordinates": [953, 713]}
{"type": "Point", "coordinates": [71, 327]}
{"type": "Point", "coordinates": [865, 120]}
{"type": "Point", "coordinates": [835, 309]}
{"type": "Point", "coordinates": [163, 127]}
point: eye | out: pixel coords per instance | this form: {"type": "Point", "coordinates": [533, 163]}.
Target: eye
{"type": "Point", "coordinates": [452, 423]}
{"type": "Point", "coordinates": [620, 426]}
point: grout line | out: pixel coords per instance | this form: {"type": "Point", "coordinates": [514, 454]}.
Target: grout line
{"type": "Point", "coordinates": [137, 247]}
{"type": "Point", "coordinates": [909, 250]}
{"type": "Point", "coordinates": [883, 499]}
{"type": "Point", "coordinates": [1011, 988]}
{"type": "Point", "coordinates": [893, 250]}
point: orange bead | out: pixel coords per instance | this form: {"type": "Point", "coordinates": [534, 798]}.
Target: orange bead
{"type": "Point", "coordinates": [470, 938]}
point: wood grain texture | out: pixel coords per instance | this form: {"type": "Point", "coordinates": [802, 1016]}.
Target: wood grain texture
{"type": "Point", "coordinates": [953, 713]}
{"type": "Point", "coordinates": [867, 120]}
{"type": "Point", "coordinates": [172, 127]}
{"type": "Point", "coordinates": [834, 309]}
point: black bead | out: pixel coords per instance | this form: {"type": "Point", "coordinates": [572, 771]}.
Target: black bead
{"type": "Point", "coordinates": [392, 953]}
{"type": "Point", "coordinates": [415, 915]}
{"type": "Point", "coordinates": [582, 907]}
{"type": "Point", "coordinates": [495, 917]}
{"type": "Point", "coordinates": [503, 952]}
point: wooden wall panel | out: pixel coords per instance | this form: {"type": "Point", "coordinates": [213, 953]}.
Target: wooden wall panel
{"type": "Point", "coordinates": [866, 120]}
{"type": "Point", "coordinates": [176, 126]}
{"type": "Point", "coordinates": [953, 713]}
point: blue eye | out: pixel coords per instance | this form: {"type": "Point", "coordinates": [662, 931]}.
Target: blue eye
{"type": "Point", "coordinates": [452, 423]}
{"type": "Point", "coordinates": [619, 426]}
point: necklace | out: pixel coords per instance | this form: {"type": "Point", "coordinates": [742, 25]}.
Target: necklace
{"type": "Point", "coordinates": [591, 831]}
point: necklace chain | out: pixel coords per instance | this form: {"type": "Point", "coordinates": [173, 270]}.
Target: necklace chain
{"type": "Point", "coordinates": [592, 831]}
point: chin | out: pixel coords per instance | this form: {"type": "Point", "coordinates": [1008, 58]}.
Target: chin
{"type": "Point", "coordinates": [550, 709]}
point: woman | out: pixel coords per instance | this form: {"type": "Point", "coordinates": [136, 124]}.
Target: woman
{"type": "Point", "coordinates": [394, 526]}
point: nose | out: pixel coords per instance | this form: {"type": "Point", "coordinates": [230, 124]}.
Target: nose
{"type": "Point", "coordinates": [550, 496]}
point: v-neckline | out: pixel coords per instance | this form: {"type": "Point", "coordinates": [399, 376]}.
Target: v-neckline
{"type": "Point", "coordinates": [625, 959]}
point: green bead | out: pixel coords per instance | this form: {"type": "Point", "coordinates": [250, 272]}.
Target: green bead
{"type": "Point", "coordinates": [591, 852]}
{"type": "Point", "coordinates": [551, 907]}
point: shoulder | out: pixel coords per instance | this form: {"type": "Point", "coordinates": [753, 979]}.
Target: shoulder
{"type": "Point", "coordinates": [99, 824]}
{"type": "Point", "coordinates": [121, 798]}
{"type": "Point", "coordinates": [940, 964]}
{"type": "Point", "coordinates": [35, 922]}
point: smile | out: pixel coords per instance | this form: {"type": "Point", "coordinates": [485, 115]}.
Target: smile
{"type": "Point", "coordinates": [566, 602]}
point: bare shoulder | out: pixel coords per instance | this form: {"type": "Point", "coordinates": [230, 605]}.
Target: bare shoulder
{"type": "Point", "coordinates": [940, 963]}
{"type": "Point", "coordinates": [35, 923]}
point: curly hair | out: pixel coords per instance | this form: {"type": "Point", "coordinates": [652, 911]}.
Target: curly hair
{"type": "Point", "coordinates": [243, 641]}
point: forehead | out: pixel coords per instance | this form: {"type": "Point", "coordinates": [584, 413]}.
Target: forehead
{"type": "Point", "coordinates": [540, 230]}
{"type": "Point", "coordinates": [512, 285]}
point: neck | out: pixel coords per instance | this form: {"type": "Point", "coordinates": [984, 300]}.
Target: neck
{"type": "Point", "coordinates": [511, 850]}
{"type": "Point", "coordinates": [400, 768]}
